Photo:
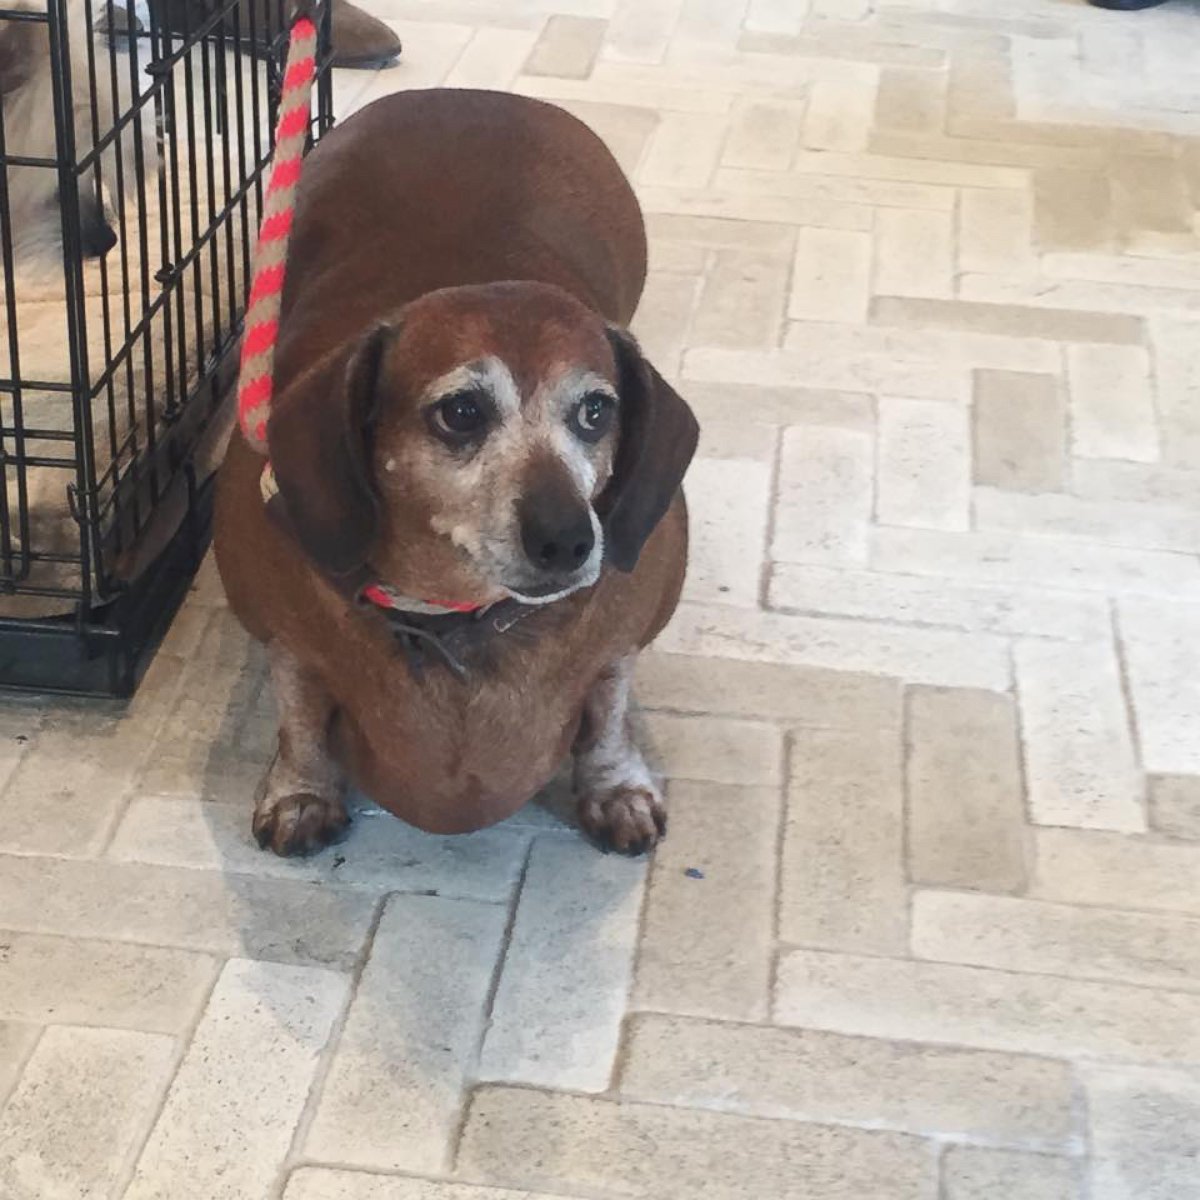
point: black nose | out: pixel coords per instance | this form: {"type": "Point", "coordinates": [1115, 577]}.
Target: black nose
{"type": "Point", "coordinates": [97, 240]}
{"type": "Point", "coordinates": [557, 538]}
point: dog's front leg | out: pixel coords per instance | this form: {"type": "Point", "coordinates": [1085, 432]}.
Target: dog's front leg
{"type": "Point", "coordinates": [299, 807]}
{"type": "Point", "coordinates": [619, 803]}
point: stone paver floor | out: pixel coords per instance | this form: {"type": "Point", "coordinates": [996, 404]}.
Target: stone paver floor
{"type": "Point", "coordinates": [927, 925]}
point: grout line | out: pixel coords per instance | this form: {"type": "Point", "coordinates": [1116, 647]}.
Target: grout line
{"type": "Point", "coordinates": [316, 1088]}
{"type": "Point", "coordinates": [184, 1040]}
{"type": "Point", "coordinates": [471, 1067]}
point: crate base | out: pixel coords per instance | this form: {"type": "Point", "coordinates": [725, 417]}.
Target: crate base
{"type": "Point", "coordinates": [108, 654]}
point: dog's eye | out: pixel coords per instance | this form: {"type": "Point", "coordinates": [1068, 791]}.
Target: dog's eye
{"type": "Point", "coordinates": [460, 415]}
{"type": "Point", "coordinates": [593, 416]}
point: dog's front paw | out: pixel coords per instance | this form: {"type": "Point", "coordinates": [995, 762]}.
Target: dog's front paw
{"type": "Point", "coordinates": [300, 823]}
{"type": "Point", "coordinates": [629, 818]}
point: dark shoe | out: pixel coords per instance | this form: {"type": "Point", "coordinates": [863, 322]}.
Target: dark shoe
{"type": "Point", "coordinates": [1126, 5]}
{"type": "Point", "coordinates": [359, 40]}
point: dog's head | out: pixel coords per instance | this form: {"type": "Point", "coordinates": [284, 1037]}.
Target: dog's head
{"type": "Point", "coordinates": [487, 442]}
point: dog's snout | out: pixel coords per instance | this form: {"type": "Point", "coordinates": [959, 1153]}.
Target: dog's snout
{"type": "Point", "coordinates": [556, 531]}
{"type": "Point", "coordinates": [97, 240]}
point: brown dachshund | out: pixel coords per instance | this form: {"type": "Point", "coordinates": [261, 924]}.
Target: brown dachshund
{"type": "Point", "coordinates": [477, 519]}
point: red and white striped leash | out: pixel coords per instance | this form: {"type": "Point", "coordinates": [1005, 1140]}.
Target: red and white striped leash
{"type": "Point", "coordinates": [261, 330]}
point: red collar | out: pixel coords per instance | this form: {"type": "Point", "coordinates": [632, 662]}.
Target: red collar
{"type": "Point", "coordinates": [383, 596]}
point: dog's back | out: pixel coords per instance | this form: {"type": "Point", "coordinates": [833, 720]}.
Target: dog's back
{"type": "Point", "coordinates": [431, 189]}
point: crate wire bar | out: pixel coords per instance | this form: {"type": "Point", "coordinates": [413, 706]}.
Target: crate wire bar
{"type": "Point", "coordinates": [117, 370]}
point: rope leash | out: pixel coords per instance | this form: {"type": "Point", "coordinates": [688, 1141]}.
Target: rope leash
{"type": "Point", "coordinates": [261, 330]}
{"type": "Point", "coordinates": [255, 372]}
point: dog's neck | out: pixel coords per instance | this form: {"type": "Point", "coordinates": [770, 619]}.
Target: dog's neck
{"type": "Point", "coordinates": [419, 626]}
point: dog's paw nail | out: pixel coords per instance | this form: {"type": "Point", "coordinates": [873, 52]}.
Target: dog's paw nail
{"type": "Point", "coordinates": [628, 820]}
{"type": "Point", "coordinates": [300, 824]}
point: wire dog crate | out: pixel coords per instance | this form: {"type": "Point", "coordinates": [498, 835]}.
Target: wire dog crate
{"type": "Point", "coordinates": [133, 146]}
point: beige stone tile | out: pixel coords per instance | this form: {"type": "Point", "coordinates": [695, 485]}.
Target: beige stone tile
{"type": "Point", "coordinates": [1109, 869]}
{"type": "Point", "coordinates": [1030, 288]}
{"type": "Point", "coordinates": [763, 135]}
{"type": "Point", "coordinates": [1162, 656]}
{"type": "Point", "coordinates": [325, 1183]}
{"type": "Point", "coordinates": [797, 695]}
{"type": "Point", "coordinates": [664, 317]}
{"type": "Point", "coordinates": [394, 1090]}
{"type": "Point", "coordinates": [807, 1075]}
{"type": "Point", "coordinates": [624, 129]}
{"type": "Point", "coordinates": [728, 504]}
{"type": "Point", "coordinates": [66, 981]}
{"type": "Point", "coordinates": [715, 749]}
{"type": "Point", "coordinates": [1112, 479]}
{"type": "Point", "coordinates": [1152, 949]}
{"type": "Point", "coordinates": [749, 205]}
{"type": "Point", "coordinates": [760, 238]}
{"type": "Point", "coordinates": [938, 347]}
{"type": "Point", "coordinates": [1112, 407]}
{"type": "Point", "coordinates": [1009, 320]}
{"type": "Point", "coordinates": [776, 16]}
{"type": "Point", "coordinates": [707, 941]}
{"type": "Point", "coordinates": [81, 1104]}
{"type": "Point", "coordinates": [1177, 379]}
{"type": "Point", "coordinates": [65, 792]}
{"type": "Point", "coordinates": [831, 275]}
{"type": "Point", "coordinates": [742, 300]}
{"type": "Point", "coordinates": [1073, 209]}
{"type": "Point", "coordinates": [493, 58]}
{"type": "Point", "coordinates": [914, 252]}
{"type": "Point", "coordinates": [1150, 192]}
{"type": "Point", "coordinates": [683, 151]}
{"type": "Point", "coordinates": [917, 600]}
{"type": "Point", "coordinates": [843, 883]}
{"type": "Point", "coordinates": [655, 94]}
{"type": "Point", "coordinates": [1015, 559]}
{"type": "Point", "coordinates": [556, 1018]}
{"type": "Point", "coordinates": [16, 1044]}
{"type": "Point", "coordinates": [813, 367]}
{"type": "Point", "coordinates": [1172, 272]}
{"type": "Point", "coordinates": [228, 1120]}
{"type": "Point", "coordinates": [825, 495]}
{"type": "Point", "coordinates": [1175, 805]}
{"type": "Point", "coordinates": [567, 47]}
{"type": "Point", "coordinates": [910, 100]}
{"type": "Point", "coordinates": [1145, 1127]}
{"type": "Point", "coordinates": [976, 1173]}
{"type": "Point", "coordinates": [380, 852]}
{"type": "Point", "coordinates": [645, 1152]}
{"type": "Point", "coordinates": [840, 114]}
{"type": "Point", "coordinates": [797, 187]}
{"type": "Point", "coordinates": [195, 910]}
{"type": "Point", "coordinates": [903, 143]}
{"type": "Point", "coordinates": [966, 815]}
{"type": "Point", "coordinates": [641, 29]}
{"type": "Point", "coordinates": [1107, 522]}
{"type": "Point", "coordinates": [724, 441]}
{"type": "Point", "coordinates": [998, 1010]}
{"type": "Point", "coordinates": [908, 170]}
{"type": "Point", "coordinates": [778, 405]}
{"type": "Point", "coordinates": [196, 749]}
{"type": "Point", "coordinates": [995, 231]}
{"type": "Point", "coordinates": [938, 656]}
{"type": "Point", "coordinates": [924, 465]}
{"type": "Point", "coordinates": [1020, 431]}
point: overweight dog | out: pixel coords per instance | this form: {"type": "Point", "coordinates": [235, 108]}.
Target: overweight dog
{"type": "Point", "coordinates": [476, 520]}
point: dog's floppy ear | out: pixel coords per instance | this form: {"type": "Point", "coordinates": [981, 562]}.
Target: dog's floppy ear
{"type": "Point", "coordinates": [657, 439]}
{"type": "Point", "coordinates": [318, 438]}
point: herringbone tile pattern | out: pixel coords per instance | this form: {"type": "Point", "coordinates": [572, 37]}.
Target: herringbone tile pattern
{"type": "Point", "coordinates": [927, 926]}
